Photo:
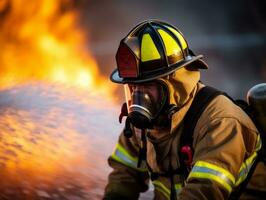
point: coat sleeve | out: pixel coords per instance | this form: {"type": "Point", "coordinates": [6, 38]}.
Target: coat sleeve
{"type": "Point", "coordinates": [126, 181]}
{"type": "Point", "coordinates": [224, 152]}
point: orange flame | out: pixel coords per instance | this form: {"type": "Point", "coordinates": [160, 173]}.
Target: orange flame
{"type": "Point", "coordinates": [42, 43]}
{"type": "Point", "coordinates": [40, 40]}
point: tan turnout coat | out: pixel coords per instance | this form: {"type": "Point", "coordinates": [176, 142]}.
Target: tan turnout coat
{"type": "Point", "coordinates": [225, 144]}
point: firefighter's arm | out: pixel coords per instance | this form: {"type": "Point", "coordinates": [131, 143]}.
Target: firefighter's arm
{"type": "Point", "coordinates": [126, 181]}
{"type": "Point", "coordinates": [224, 152]}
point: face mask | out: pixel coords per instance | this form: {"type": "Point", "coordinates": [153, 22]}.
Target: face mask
{"type": "Point", "coordinates": [146, 103]}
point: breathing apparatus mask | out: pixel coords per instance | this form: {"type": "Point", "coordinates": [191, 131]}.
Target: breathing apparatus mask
{"type": "Point", "coordinates": [146, 105]}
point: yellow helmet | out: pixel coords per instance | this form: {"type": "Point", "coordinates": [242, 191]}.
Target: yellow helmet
{"type": "Point", "coordinates": [151, 50]}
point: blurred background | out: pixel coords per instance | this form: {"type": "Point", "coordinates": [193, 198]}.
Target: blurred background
{"type": "Point", "coordinates": [230, 34]}
{"type": "Point", "coordinates": [59, 111]}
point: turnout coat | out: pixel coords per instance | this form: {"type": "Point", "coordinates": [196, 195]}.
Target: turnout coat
{"type": "Point", "coordinates": [225, 143]}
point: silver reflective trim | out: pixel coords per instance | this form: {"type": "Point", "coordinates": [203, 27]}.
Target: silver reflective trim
{"type": "Point", "coordinates": [206, 170]}
{"type": "Point", "coordinates": [125, 159]}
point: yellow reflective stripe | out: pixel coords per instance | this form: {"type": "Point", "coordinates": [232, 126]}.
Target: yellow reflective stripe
{"type": "Point", "coordinates": [178, 188]}
{"type": "Point", "coordinates": [123, 156]}
{"type": "Point", "coordinates": [180, 37]}
{"type": "Point", "coordinates": [164, 190]}
{"type": "Point", "coordinates": [243, 172]}
{"type": "Point", "coordinates": [258, 143]}
{"type": "Point", "coordinates": [218, 174]}
{"type": "Point", "coordinates": [171, 46]}
{"type": "Point", "coordinates": [148, 49]}
{"type": "Point", "coordinates": [245, 167]}
{"type": "Point", "coordinates": [216, 178]}
{"type": "Point", "coordinates": [216, 168]}
{"type": "Point", "coordinates": [120, 154]}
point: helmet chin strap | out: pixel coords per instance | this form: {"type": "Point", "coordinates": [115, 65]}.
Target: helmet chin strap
{"type": "Point", "coordinates": [143, 142]}
{"type": "Point", "coordinates": [127, 130]}
{"type": "Point", "coordinates": [143, 147]}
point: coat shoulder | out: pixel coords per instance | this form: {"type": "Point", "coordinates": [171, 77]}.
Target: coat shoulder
{"type": "Point", "coordinates": [222, 108]}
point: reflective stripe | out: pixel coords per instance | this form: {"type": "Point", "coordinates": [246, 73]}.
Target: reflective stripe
{"type": "Point", "coordinates": [218, 174]}
{"type": "Point", "coordinates": [245, 167]}
{"type": "Point", "coordinates": [258, 144]}
{"type": "Point", "coordinates": [210, 171]}
{"type": "Point", "coordinates": [164, 190]}
{"type": "Point", "coordinates": [121, 155]}
{"type": "Point", "coordinates": [178, 188]}
{"type": "Point", "coordinates": [148, 49]}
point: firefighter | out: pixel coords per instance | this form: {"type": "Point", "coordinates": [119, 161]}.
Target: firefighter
{"type": "Point", "coordinates": [161, 78]}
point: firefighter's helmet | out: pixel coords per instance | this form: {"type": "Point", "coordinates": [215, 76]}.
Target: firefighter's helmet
{"type": "Point", "coordinates": [151, 50]}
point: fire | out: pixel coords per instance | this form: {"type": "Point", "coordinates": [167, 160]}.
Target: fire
{"type": "Point", "coordinates": [40, 40]}
{"type": "Point", "coordinates": [52, 114]}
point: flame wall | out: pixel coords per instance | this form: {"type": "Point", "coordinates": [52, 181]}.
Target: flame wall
{"type": "Point", "coordinates": [41, 40]}
{"type": "Point", "coordinates": [57, 121]}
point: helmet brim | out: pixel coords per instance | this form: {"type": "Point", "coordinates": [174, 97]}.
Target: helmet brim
{"type": "Point", "coordinates": [197, 60]}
